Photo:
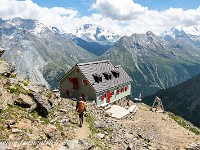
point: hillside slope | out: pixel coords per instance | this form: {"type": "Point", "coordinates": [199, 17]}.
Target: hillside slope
{"type": "Point", "coordinates": [153, 62]}
{"type": "Point", "coordinates": [183, 99]}
{"type": "Point", "coordinates": [33, 117]}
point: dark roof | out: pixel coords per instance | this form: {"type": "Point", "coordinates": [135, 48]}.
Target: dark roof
{"type": "Point", "coordinates": [100, 67]}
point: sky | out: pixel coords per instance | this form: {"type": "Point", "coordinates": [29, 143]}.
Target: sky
{"type": "Point", "coordinates": [123, 17]}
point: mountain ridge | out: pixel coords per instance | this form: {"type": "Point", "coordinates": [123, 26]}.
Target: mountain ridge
{"type": "Point", "coordinates": [182, 99]}
{"type": "Point", "coordinates": [44, 55]}
{"type": "Point", "coordinates": [153, 62]}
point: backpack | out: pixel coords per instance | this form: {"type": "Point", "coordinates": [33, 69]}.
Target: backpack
{"type": "Point", "coordinates": [81, 106]}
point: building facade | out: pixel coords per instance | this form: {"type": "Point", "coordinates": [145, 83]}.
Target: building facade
{"type": "Point", "coordinates": [98, 81]}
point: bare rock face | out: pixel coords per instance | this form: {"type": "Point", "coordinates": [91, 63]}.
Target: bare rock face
{"type": "Point", "coordinates": [1, 51]}
{"type": "Point", "coordinates": [6, 68]}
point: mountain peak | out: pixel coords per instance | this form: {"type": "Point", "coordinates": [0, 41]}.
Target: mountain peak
{"type": "Point", "coordinates": [86, 26]}
{"type": "Point", "coordinates": [94, 33]}
{"type": "Point", "coordinates": [174, 32]}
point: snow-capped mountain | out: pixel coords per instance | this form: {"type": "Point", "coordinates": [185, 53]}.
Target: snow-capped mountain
{"type": "Point", "coordinates": [180, 31]}
{"type": "Point", "coordinates": [174, 32]}
{"type": "Point", "coordinates": [39, 53]}
{"type": "Point", "coordinates": [190, 35]}
{"type": "Point", "coordinates": [93, 33]}
{"type": "Point", "coordinates": [153, 62]}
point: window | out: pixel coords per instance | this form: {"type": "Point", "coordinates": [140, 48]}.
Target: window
{"type": "Point", "coordinates": [115, 73]}
{"type": "Point", "coordinates": [97, 77]}
{"type": "Point", "coordinates": [126, 88]}
{"type": "Point", "coordinates": [85, 82]}
{"type": "Point", "coordinates": [102, 97]}
{"type": "Point", "coordinates": [107, 75]}
{"type": "Point", "coordinates": [74, 81]}
{"type": "Point", "coordinates": [118, 91]}
{"type": "Point", "coordinates": [67, 92]}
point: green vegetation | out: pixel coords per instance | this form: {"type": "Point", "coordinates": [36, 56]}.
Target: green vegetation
{"type": "Point", "coordinates": [99, 143]}
{"type": "Point", "coordinates": [13, 75]}
{"type": "Point", "coordinates": [1, 92]}
{"type": "Point", "coordinates": [17, 89]}
{"type": "Point", "coordinates": [25, 83]}
{"type": "Point", "coordinates": [49, 94]}
{"type": "Point", "coordinates": [182, 122]}
{"type": "Point", "coordinates": [90, 120]}
{"type": "Point", "coordinates": [12, 89]}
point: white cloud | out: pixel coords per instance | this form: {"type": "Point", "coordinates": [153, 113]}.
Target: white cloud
{"type": "Point", "coordinates": [119, 10]}
{"type": "Point", "coordinates": [122, 17]}
{"type": "Point", "coordinates": [141, 19]}
{"type": "Point", "coordinates": [56, 16]}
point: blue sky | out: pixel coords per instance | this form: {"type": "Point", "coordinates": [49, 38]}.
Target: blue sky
{"type": "Point", "coordinates": [119, 16]}
{"type": "Point", "coordinates": [83, 6]}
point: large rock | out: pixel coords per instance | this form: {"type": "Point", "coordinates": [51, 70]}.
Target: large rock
{"type": "Point", "coordinates": [25, 101]}
{"type": "Point", "coordinates": [43, 105]}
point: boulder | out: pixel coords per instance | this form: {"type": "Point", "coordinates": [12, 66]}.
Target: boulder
{"type": "Point", "coordinates": [100, 135]}
{"type": "Point", "coordinates": [43, 105]}
{"type": "Point", "coordinates": [50, 131]}
{"type": "Point", "coordinates": [72, 144]}
{"type": "Point", "coordinates": [25, 101]}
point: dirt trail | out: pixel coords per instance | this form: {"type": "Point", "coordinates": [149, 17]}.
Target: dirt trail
{"type": "Point", "coordinates": [164, 129]}
{"type": "Point", "coordinates": [83, 132]}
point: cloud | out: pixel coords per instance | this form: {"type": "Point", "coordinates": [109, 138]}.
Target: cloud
{"type": "Point", "coordinates": [122, 17]}
{"type": "Point", "coordinates": [56, 16]}
{"type": "Point", "coordinates": [141, 19]}
{"type": "Point", "coordinates": [65, 12]}
{"type": "Point", "coordinates": [119, 10]}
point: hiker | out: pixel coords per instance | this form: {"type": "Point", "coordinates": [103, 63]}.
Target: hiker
{"type": "Point", "coordinates": [80, 107]}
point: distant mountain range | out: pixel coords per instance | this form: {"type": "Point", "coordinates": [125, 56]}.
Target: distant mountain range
{"type": "Point", "coordinates": [40, 54]}
{"type": "Point", "coordinates": [94, 39]}
{"type": "Point", "coordinates": [154, 62]}
{"type": "Point", "coordinates": [182, 99]}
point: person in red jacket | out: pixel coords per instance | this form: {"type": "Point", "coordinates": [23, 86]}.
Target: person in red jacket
{"type": "Point", "coordinates": [80, 107]}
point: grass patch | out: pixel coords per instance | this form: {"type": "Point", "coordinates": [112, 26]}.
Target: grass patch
{"type": "Point", "coordinates": [25, 83]}
{"type": "Point", "coordinates": [13, 75]}
{"type": "Point", "coordinates": [98, 143]}
{"type": "Point", "coordinates": [187, 125]}
{"type": "Point", "coordinates": [90, 120]}
{"type": "Point", "coordinates": [12, 89]}
{"type": "Point", "coordinates": [1, 92]}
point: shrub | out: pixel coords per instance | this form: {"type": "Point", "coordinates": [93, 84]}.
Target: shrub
{"type": "Point", "coordinates": [12, 89]}
{"type": "Point", "coordinates": [25, 83]}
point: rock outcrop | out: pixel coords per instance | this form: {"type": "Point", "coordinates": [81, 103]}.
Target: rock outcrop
{"type": "Point", "coordinates": [1, 51]}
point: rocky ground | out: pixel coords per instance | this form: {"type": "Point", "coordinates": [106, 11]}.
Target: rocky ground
{"type": "Point", "coordinates": [33, 117]}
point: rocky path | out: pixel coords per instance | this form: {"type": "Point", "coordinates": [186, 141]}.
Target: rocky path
{"type": "Point", "coordinates": [83, 132]}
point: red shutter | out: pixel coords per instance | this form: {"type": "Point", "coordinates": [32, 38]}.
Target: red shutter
{"type": "Point", "coordinates": [67, 92]}
{"type": "Point", "coordinates": [70, 79]}
{"type": "Point", "coordinates": [75, 83]}
{"type": "Point", "coordinates": [126, 88]}
{"type": "Point", "coordinates": [109, 95]}
{"type": "Point", "coordinates": [102, 97]}
{"type": "Point", "coordinates": [118, 91]}
{"type": "Point", "coordinates": [85, 82]}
